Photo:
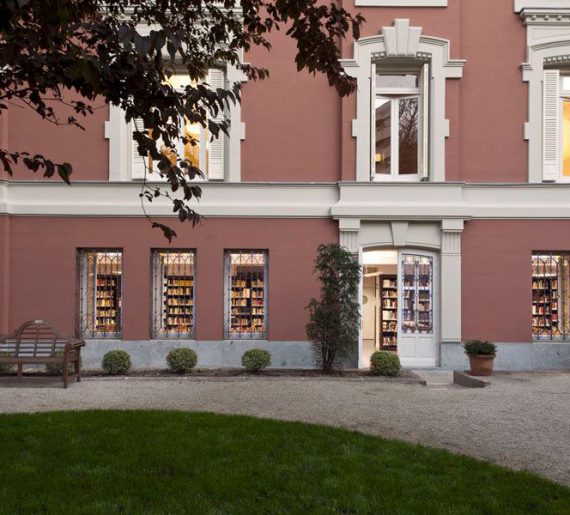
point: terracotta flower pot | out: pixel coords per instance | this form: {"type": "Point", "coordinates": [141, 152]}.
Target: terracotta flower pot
{"type": "Point", "coordinates": [481, 364]}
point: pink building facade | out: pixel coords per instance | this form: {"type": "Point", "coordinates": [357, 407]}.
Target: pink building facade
{"type": "Point", "coordinates": [447, 174]}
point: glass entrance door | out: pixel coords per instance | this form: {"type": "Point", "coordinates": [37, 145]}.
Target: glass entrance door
{"type": "Point", "coordinates": [416, 313]}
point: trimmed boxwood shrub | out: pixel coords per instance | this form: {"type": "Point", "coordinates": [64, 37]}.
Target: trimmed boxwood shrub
{"type": "Point", "coordinates": [56, 369]}
{"type": "Point", "coordinates": [480, 348]}
{"type": "Point", "coordinates": [254, 360]}
{"type": "Point", "coordinates": [181, 360]}
{"type": "Point", "coordinates": [116, 362]}
{"type": "Point", "coordinates": [383, 363]}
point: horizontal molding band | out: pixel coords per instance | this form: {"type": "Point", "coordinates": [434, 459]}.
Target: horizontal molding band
{"type": "Point", "coordinates": [385, 201]}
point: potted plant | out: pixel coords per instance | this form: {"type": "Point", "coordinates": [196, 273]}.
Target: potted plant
{"type": "Point", "coordinates": [481, 355]}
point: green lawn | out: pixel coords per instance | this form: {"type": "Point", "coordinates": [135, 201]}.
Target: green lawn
{"type": "Point", "coordinates": [171, 462]}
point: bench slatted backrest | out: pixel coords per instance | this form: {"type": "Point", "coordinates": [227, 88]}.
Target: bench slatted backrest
{"type": "Point", "coordinates": [35, 338]}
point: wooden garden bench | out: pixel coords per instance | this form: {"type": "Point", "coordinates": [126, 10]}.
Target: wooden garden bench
{"type": "Point", "coordinates": [37, 342]}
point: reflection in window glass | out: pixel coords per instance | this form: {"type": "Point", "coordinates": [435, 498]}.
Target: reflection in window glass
{"type": "Point", "coordinates": [383, 135]}
{"type": "Point", "coordinates": [417, 310]}
{"type": "Point", "coordinates": [566, 137]}
{"type": "Point", "coordinates": [408, 136]}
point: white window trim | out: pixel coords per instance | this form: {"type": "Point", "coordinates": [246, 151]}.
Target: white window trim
{"type": "Point", "coordinates": [548, 47]}
{"type": "Point", "coordinates": [117, 131]}
{"type": "Point", "coordinates": [400, 3]}
{"type": "Point", "coordinates": [395, 94]}
{"type": "Point", "coordinates": [402, 41]}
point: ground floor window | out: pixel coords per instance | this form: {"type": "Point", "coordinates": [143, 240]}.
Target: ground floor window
{"type": "Point", "coordinates": [100, 293]}
{"type": "Point", "coordinates": [173, 293]}
{"type": "Point", "coordinates": [550, 295]}
{"type": "Point", "coordinates": [246, 294]}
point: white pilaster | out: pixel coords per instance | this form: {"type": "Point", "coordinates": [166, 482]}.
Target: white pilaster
{"type": "Point", "coordinates": [451, 280]}
{"type": "Point", "coordinates": [349, 233]}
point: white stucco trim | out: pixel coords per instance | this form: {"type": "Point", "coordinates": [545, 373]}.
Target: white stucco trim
{"type": "Point", "coordinates": [539, 4]}
{"type": "Point", "coordinates": [219, 199]}
{"type": "Point", "coordinates": [443, 239]}
{"type": "Point", "coordinates": [362, 201]}
{"type": "Point", "coordinates": [402, 41]}
{"type": "Point", "coordinates": [548, 42]}
{"type": "Point", "coordinates": [117, 132]}
{"type": "Point", "coordinates": [400, 3]}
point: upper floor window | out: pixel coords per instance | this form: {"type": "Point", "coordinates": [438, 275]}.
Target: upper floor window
{"type": "Point", "coordinates": [195, 143]}
{"type": "Point", "coordinates": [400, 125]}
{"type": "Point", "coordinates": [400, 121]}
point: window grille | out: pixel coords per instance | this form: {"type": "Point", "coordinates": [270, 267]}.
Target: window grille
{"type": "Point", "coordinates": [417, 294]}
{"type": "Point", "coordinates": [173, 294]}
{"type": "Point", "coordinates": [100, 293]}
{"type": "Point", "coordinates": [246, 294]}
{"type": "Point", "coordinates": [550, 295]}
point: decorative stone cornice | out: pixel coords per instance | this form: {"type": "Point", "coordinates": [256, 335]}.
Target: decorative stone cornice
{"type": "Point", "coordinates": [558, 59]}
{"type": "Point", "coordinates": [545, 16]}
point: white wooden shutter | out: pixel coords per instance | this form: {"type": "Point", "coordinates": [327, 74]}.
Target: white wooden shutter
{"type": "Point", "coordinates": [551, 126]}
{"type": "Point", "coordinates": [216, 156]}
{"type": "Point", "coordinates": [423, 125]}
{"type": "Point", "coordinates": [372, 122]}
{"type": "Point", "coordinates": [137, 161]}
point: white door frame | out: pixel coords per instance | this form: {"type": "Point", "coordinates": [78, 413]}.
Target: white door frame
{"type": "Point", "coordinates": [436, 286]}
{"type": "Point", "coordinates": [423, 349]}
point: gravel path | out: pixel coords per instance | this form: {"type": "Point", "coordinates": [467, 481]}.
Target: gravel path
{"type": "Point", "coordinates": [521, 421]}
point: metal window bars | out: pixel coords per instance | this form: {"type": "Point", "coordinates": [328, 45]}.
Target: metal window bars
{"type": "Point", "coordinates": [550, 295]}
{"type": "Point", "coordinates": [246, 294]}
{"type": "Point", "coordinates": [100, 293]}
{"type": "Point", "coordinates": [417, 294]}
{"type": "Point", "coordinates": [173, 294]}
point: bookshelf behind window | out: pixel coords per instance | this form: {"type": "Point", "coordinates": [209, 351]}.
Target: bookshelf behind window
{"type": "Point", "coordinates": [550, 286]}
{"type": "Point", "coordinates": [100, 293]}
{"type": "Point", "coordinates": [388, 312]}
{"type": "Point", "coordinates": [246, 294]}
{"type": "Point", "coordinates": [174, 288]}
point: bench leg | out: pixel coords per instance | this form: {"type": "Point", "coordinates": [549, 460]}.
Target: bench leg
{"type": "Point", "coordinates": [20, 369]}
{"type": "Point", "coordinates": [78, 370]}
{"type": "Point", "coordinates": [65, 374]}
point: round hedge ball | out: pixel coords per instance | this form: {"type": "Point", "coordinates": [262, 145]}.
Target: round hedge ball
{"type": "Point", "coordinates": [384, 363]}
{"type": "Point", "coordinates": [254, 360]}
{"type": "Point", "coordinates": [116, 363]}
{"type": "Point", "coordinates": [181, 360]}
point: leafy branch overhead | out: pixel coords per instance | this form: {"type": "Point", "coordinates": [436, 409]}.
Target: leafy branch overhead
{"type": "Point", "coordinates": [123, 51]}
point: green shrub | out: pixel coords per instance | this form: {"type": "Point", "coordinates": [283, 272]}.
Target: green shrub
{"type": "Point", "coordinates": [384, 363]}
{"type": "Point", "coordinates": [181, 360]}
{"type": "Point", "coordinates": [116, 362]}
{"type": "Point", "coordinates": [480, 347]}
{"type": "Point", "coordinates": [56, 369]}
{"type": "Point", "coordinates": [254, 360]}
{"type": "Point", "coordinates": [334, 318]}
{"type": "Point", "coordinates": [4, 367]}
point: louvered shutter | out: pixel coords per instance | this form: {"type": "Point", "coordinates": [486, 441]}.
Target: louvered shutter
{"type": "Point", "coordinates": [216, 150]}
{"type": "Point", "coordinates": [423, 126]}
{"type": "Point", "coordinates": [551, 126]}
{"type": "Point", "coordinates": [373, 121]}
{"type": "Point", "coordinates": [137, 161]}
